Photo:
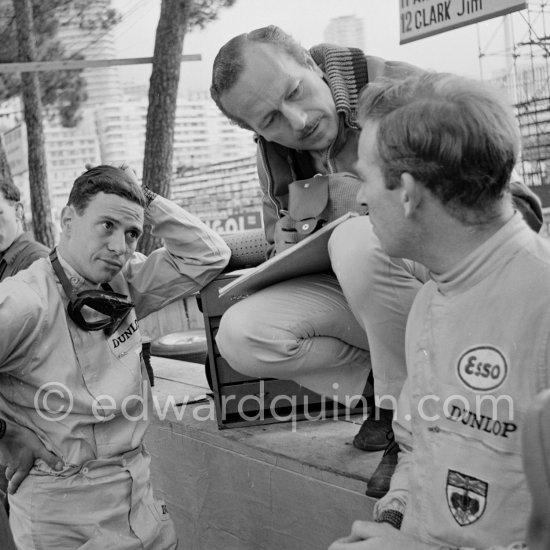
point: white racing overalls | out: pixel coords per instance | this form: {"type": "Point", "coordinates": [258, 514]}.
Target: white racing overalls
{"type": "Point", "coordinates": [85, 396]}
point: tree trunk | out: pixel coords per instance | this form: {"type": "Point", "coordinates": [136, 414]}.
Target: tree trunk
{"type": "Point", "coordinates": [5, 172]}
{"type": "Point", "coordinates": [38, 179]}
{"type": "Point", "coordinates": [5, 175]}
{"type": "Point", "coordinates": [163, 92]}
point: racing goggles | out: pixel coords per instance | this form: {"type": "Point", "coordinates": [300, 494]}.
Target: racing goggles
{"type": "Point", "coordinates": [108, 309]}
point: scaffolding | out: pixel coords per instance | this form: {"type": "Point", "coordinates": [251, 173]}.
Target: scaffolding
{"type": "Point", "coordinates": [526, 79]}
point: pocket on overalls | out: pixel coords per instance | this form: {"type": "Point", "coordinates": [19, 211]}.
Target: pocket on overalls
{"type": "Point", "coordinates": [469, 488]}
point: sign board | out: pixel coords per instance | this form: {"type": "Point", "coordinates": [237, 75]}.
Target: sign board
{"type": "Point", "coordinates": [236, 222]}
{"type": "Point", "coordinates": [422, 18]}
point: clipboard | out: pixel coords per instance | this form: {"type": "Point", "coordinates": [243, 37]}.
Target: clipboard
{"type": "Point", "coordinates": [304, 258]}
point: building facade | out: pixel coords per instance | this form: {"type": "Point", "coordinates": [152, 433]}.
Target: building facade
{"type": "Point", "coordinates": [68, 150]}
{"type": "Point", "coordinates": [347, 30]}
{"type": "Point", "coordinates": [225, 195]}
{"type": "Point", "coordinates": [82, 32]}
{"type": "Point", "coordinates": [202, 134]}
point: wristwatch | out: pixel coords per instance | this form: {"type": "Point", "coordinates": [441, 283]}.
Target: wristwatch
{"type": "Point", "coordinates": [150, 196]}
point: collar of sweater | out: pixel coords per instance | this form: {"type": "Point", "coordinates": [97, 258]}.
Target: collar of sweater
{"type": "Point", "coordinates": [346, 72]}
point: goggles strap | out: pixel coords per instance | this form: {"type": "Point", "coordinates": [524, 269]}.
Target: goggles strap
{"type": "Point", "coordinates": [61, 275]}
{"type": "Point", "coordinates": [70, 291]}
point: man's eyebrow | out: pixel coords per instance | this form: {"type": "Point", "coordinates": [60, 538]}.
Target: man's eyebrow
{"type": "Point", "coordinates": [116, 221]}
{"type": "Point", "coordinates": [110, 218]}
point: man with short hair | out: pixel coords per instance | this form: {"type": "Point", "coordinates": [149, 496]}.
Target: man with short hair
{"type": "Point", "coordinates": [18, 249]}
{"type": "Point", "coordinates": [74, 396]}
{"type": "Point", "coordinates": [311, 329]}
{"type": "Point", "coordinates": [436, 154]}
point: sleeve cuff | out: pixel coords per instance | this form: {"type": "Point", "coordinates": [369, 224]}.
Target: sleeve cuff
{"type": "Point", "coordinates": [393, 517]}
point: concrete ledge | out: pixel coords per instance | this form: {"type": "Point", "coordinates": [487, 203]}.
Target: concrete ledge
{"type": "Point", "coordinates": [268, 487]}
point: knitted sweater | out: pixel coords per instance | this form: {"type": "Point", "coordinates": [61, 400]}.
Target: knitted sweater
{"type": "Point", "coordinates": [346, 72]}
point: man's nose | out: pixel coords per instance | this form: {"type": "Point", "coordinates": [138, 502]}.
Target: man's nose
{"type": "Point", "coordinates": [117, 242]}
{"type": "Point", "coordinates": [295, 116]}
{"type": "Point", "coordinates": [362, 195]}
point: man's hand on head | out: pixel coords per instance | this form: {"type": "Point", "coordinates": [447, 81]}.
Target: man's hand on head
{"type": "Point", "coordinates": [130, 171]}
{"type": "Point", "coordinates": [19, 448]}
{"type": "Point", "coordinates": [149, 194]}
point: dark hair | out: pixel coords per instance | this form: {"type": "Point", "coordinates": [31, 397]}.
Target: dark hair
{"type": "Point", "coordinates": [104, 179]}
{"type": "Point", "coordinates": [457, 136]}
{"type": "Point", "coordinates": [9, 191]}
{"type": "Point", "coordinates": [229, 62]}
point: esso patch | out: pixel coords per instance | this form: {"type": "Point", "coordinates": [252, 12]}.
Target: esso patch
{"type": "Point", "coordinates": [483, 368]}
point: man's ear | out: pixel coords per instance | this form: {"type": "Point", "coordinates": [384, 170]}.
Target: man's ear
{"type": "Point", "coordinates": [411, 194]}
{"type": "Point", "coordinates": [19, 211]}
{"type": "Point", "coordinates": [313, 66]}
{"type": "Point", "coordinates": [67, 215]}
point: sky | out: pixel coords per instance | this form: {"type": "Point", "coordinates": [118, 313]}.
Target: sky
{"type": "Point", "coordinates": [306, 20]}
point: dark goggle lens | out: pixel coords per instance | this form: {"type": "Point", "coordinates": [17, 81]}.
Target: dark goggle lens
{"type": "Point", "coordinates": [115, 307]}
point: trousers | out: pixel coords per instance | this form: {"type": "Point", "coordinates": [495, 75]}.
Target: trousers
{"type": "Point", "coordinates": [323, 331]}
{"type": "Point", "coordinates": [380, 291]}
{"type": "Point", "coordinates": [6, 539]}
{"type": "Point", "coordinates": [107, 503]}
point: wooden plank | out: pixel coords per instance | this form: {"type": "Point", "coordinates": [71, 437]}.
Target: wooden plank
{"type": "Point", "coordinates": [72, 64]}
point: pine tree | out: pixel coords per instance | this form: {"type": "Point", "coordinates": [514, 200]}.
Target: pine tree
{"type": "Point", "coordinates": [176, 18]}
